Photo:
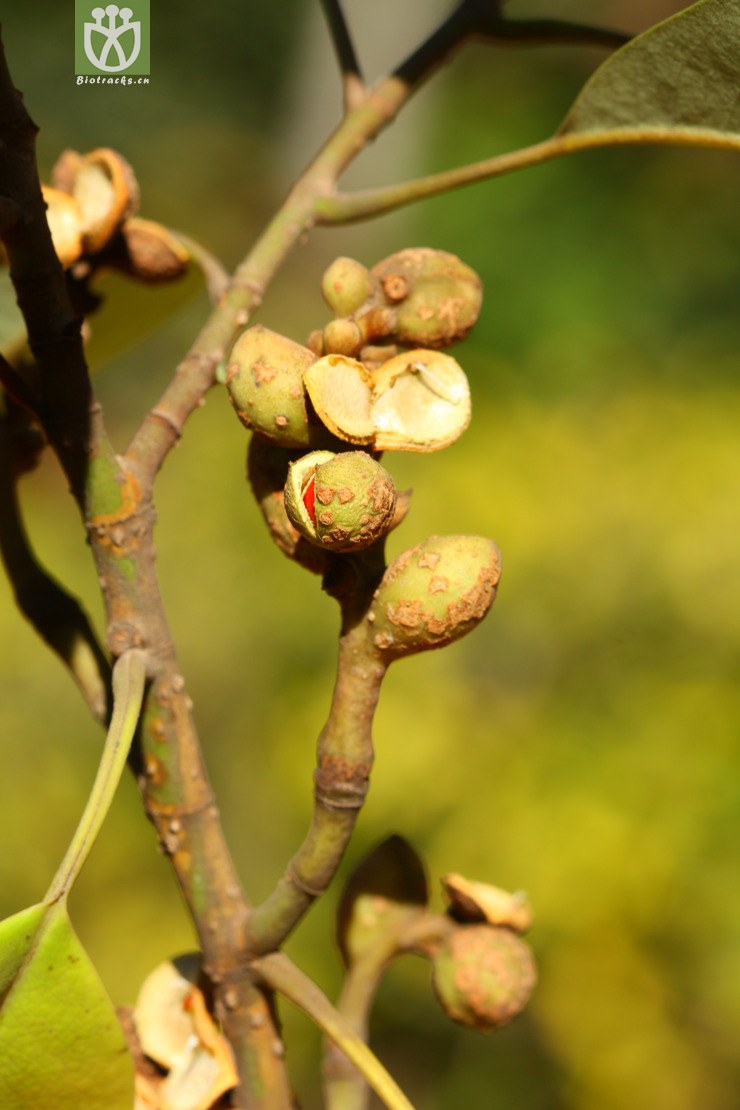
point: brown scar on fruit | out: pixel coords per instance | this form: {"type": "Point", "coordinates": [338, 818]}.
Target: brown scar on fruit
{"type": "Point", "coordinates": [430, 559]}
{"type": "Point", "coordinates": [450, 309]}
{"type": "Point", "coordinates": [262, 372]}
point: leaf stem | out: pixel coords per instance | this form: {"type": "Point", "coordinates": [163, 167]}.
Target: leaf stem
{"type": "Point", "coordinates": [283, 976]}
{"type": "Point", "coordinates": [129, 676]}
{"type": "Point", "coordinates": [344, 208]}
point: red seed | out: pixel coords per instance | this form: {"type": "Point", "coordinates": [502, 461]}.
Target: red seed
{"type": "Point", "coordinates": [309, 498]}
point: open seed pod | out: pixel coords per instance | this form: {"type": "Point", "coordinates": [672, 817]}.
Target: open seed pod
{"type": "Point", "coordinates": [340, 389]}
{"type": "Point", "coordinates": [416, 401]}
{"type": "Point", "coordinates": [421, 402]}
{"type": "Point", "coordinates": [65, 224]}
{"type": "Point", "coordinates": [176, 1030]}
{"type": "Point", "coordinates": [107, 192]}
{"type": "Point", "coordinates": [483, 976]}
{"type": "Point", "coordinates": [149, 252]}
{"type": "Point", "coordinates": [436, 297]}
{"type": "Point", "coordinates": [341, 502]}
{"type": "Point", "coordinates": [65, 170]}
{"type": "Point", "coordinates": [434, 593]}
{"type": "Point", "coordinates": [478, 902]}
{"type": "Point", "coordinates": [265, 384]}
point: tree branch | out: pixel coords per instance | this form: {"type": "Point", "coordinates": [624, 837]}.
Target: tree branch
{"type": "Point", "coordinates": [344, 760]}
{"type": "Point", "coordinates": [72, 420]}
{"type": "Point", "coordinates": [119, 517]}
{"type": "Point", "coordinates": [554, 32]}
{"type": "Point", "coordinates": [163, 425]}
{"type": "Point", "coordinates": [353, 85]}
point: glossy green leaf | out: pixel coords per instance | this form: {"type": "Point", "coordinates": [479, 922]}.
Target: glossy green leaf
{"type": "Point", "coordinates": [61, 1044]}
{"type": "Point", "coordinates": [681, 76]}
{"type": "Point", "coordinates": [378, 894]}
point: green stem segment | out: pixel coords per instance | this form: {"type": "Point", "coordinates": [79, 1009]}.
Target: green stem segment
{"type": "Point", "coordinates": [129, 676]}
{"type": "Point", "coordinates": [283, 976]}
{"type": "Point", "coordinates": [345, 1088]}
{"type": "Point", "coordinates": [418, 931]}
{"type": "Point", "coordinates": [341, 782]}
{"type": "Point", "coordinates": [344, 208]}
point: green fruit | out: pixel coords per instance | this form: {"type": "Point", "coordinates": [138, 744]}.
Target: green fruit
{"type": "Point", "coordinates": [435, 296]}
{"type": "Point", "coordinates": [483, 975]}
{"type": "Point", "coordinates": [341, 502]}
{"type": "Point", "coordinates": [433, 594]}
{"type": "Point", "coordinates": [342, 337]}
{"type": "Point", "coordinates": [265, 385]}
{"type": "Point", "coordinates": [346, 285]}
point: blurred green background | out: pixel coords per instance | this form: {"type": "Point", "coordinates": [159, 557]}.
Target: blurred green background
{"type": "Point", "coordinates": [583, 743]}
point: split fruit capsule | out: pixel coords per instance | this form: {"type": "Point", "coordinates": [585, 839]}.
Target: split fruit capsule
{"type": "Point", "coordinates": [341, 502]}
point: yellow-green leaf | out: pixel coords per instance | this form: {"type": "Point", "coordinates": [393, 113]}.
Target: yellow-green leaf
{"type": "Point", "coordinates": [680, 78]}
{"type": "Point", "coordinates": [61, 1045]}
{"type": "Point", "coordinates": [16, 937]}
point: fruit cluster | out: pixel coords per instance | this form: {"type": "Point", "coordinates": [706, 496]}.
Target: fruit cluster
{"type": "Point", "coordinates": [374, 379]}
{"type": "Point", "coordinates": [91, 209]}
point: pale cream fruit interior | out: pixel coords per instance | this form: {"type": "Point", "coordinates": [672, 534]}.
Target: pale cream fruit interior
{"type": "Point", "coordinates": [416, 401]}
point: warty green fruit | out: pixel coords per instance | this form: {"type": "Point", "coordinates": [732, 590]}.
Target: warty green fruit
{"type": "Point", "coordinates": [483, 975]}
{"type": "Point", "coordinates": [341, 502]}
{"type": "Point", "coordinates": [265, 385]}
{"type": "Point", "coordinates": [436, 297]}
{"type": "Point", "coordinates": [434, 593]}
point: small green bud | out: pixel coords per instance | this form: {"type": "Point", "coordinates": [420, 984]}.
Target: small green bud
{"type": "Point", "coordinates": [341, 502]}
{"type": "Point", "coordinates": [433, 594]}
{"type": "Point", "coordinates": [265, 384]}
{"type": "Point", "coordinates": [436, 297]}
{"type": "Point", "coordinates": [483, 975]}
{"type": "Point", "coordinates": [346, 285]}
{"type": "Point", "coordinates": [343, 337]}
